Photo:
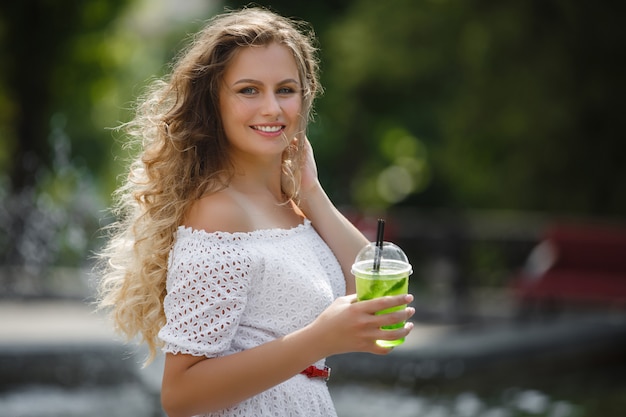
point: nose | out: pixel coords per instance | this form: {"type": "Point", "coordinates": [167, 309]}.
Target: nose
{"type": "Point", "coordinates": [271, 105]}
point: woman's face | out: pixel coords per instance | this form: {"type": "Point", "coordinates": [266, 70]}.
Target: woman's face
{"type": "Point", "coordinates": [260, 101]}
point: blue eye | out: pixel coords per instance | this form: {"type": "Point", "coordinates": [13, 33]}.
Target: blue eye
{"type": "Point", "coordinates": [286, 90]}
{"type": "Point", "coordinates": [248, 90]}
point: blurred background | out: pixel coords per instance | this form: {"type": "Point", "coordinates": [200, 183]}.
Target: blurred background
{"type": "Point", "coordinates": [489, 135]}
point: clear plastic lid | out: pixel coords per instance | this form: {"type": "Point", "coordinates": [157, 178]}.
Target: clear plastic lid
{"type": "Point", "coordinates": [391, 256]}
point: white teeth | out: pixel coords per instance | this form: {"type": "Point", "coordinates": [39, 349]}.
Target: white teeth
{"type": "Point", "coordinates": [268, 129]}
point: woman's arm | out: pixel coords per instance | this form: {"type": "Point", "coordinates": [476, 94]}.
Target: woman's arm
{"type": "Point", "coordinates": [343, 238]}
{"type": "Point", "coordinates": [195, 385]}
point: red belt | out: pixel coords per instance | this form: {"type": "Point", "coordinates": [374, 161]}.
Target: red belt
{"type": "Point", "coordinates": [315, 372]}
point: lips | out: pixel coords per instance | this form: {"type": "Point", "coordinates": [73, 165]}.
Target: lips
{"type": "Point", "coordinates": [268, 129]}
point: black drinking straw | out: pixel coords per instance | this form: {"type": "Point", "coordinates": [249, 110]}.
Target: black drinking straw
{"type": "Point", "coordinates": [379, 244]}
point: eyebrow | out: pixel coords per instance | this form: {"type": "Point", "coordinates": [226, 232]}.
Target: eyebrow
{"type": "Point", "coordinates": [251, 81]}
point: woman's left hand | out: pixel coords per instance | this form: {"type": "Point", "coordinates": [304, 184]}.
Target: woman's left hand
{"type": "Point", "coordinates": [308, 179]}
{"type": "Point", "coordinates": [308, 170]}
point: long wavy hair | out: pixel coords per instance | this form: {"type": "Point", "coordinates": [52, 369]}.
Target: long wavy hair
{"type": "Point", "coordinates": [184, 155]}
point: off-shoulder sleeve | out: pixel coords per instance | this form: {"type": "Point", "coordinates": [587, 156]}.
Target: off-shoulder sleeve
{"type": "Point", "coordinates": [207, 284]}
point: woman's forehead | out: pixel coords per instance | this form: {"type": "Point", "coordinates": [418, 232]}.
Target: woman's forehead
{"type": "Point", "coordinates": [263, 63]}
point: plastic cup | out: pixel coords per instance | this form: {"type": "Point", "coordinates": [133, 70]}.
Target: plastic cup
{"type": "Point", "coordinates": [391, 278]}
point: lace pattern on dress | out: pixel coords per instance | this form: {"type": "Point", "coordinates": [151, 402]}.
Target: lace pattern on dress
{"type": "Point", "coordinates": [227, 292]}
{"type": "Point", "coordinates": [233, 291]}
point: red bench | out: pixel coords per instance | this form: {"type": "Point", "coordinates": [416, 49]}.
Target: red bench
{"type": "Point", "coordinates": [576, 265]}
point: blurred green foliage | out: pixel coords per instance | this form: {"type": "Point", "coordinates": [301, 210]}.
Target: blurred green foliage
{"type": "Point", "coordinates": [430, 103]}
{"type": "Point", "coordinates": [54, 60]}
{"type": "Point", "coordinates": [515, 105]}
{"type": "Point", "coordinates": [69, 72]}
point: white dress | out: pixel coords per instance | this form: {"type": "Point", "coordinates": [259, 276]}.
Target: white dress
{"type": "Point", "coordinates": [227, 292]}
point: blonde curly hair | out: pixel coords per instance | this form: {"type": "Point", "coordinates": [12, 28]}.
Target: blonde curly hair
{"type": "Point", "coordinates": [184, 155]}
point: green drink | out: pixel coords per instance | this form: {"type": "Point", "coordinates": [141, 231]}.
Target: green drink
{"type": "Point", "coordinates": [392, 278]}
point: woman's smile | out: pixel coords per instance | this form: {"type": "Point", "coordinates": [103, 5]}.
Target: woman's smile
{"type": "Point", "coordinates": [269, 130]}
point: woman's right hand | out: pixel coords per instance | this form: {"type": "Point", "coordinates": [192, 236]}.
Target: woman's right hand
{"type": "Point", "coordinates": [351, 326]}
{"type": "Point", "coordinates": [197, 384]}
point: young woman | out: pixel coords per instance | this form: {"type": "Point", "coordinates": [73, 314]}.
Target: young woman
{"type": "Point", "coordinates": [228, 254]}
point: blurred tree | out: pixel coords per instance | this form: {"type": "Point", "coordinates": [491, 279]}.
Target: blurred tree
{"type": "Point", "coordinates": [68, 71]}
{"type": "Point", "coordinates": [49, 53]}
{"type": "Point", "coordinates": [533, 121]}
{"type": "Point", "coordinates": [50, 62]}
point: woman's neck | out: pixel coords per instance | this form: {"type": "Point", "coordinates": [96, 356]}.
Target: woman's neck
{"type": "Point", "coordinates": [258, 180]}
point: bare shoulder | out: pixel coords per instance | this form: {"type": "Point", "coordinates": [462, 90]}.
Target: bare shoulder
{"type": "Point", "coordinates": [218, 212]}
